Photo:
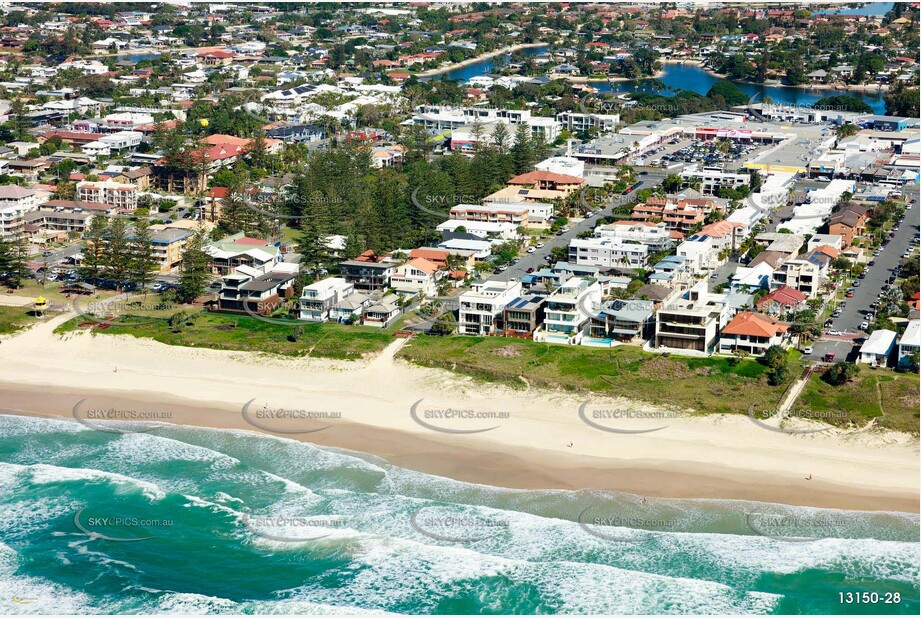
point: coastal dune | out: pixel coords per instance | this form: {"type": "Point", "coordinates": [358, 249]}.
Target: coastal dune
{"type": "Point", "coordinates": [449, 425]}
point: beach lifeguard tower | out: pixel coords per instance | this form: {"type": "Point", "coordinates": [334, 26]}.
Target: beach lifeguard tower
{"type": "Point", "coordinates": [39, 306]}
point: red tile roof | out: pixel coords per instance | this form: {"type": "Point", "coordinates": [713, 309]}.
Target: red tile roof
{"type": "Point", "coordinates": [755, 325]}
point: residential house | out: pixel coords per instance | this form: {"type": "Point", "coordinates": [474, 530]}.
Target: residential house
{"type": "Point", "coordinates": [231, 252]}
{"type": "Point", "coordinates": [849, 223]}
{"type": "Point", "coordinates": [483, 304]}
{"type": "Point", "coordinates": [753, 333]}
{"type": "Point", "coordinates": [383, 312]}
{"type": "Point", "coordinates": [782, 301]}
{"type": "Point", "coordinates": [910, 342]}
{"type": "Point", "coordinates": [318, 299]}
{"type": "Point", "coordinates": [568, 311]}
{"type": "Point", "coordinates": [621, 321]}
{"type": "Point", "coordinates": [369, 272]}
{"type": "Point", "coordinates": [522, 316]}
{"type": "Point", "coordinates": [878, 347]}
{"type": "Point", "coordinates": [244, 291]}
{"type": "Point", "coordinates": [416, 276]}
{"type": "Point", "coordinates": [690, 321]}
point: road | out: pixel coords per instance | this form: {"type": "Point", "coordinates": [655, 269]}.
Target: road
{"type": "Point", "coordinates": [537, 260]}
{"type": "Point", "coordinates": [870, 287]}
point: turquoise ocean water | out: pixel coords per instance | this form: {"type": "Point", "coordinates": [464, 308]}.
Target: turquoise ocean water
{"type": "Point", "coordinates": [191, 520]}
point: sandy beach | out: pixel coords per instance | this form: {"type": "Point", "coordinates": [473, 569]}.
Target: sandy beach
{"type": "Point", "coordinates": [539, 440]}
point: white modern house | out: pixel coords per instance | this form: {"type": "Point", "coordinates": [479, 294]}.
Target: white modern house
{"type": "Point", "coordinates": [568, 311]}
{"type": "Point", "coordinates": [483, 304]}
{"type": "Point", "coordinates": [318, 299]}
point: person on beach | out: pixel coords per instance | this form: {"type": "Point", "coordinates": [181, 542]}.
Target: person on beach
{"type": "Point", "coordinates": [809, 478]}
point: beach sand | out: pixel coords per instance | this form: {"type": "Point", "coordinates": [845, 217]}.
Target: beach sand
{"type": "Point", "coordinates": [543, 444]}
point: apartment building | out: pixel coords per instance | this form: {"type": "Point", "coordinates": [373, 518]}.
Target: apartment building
{"type": "Point", "coordinates": [568, 310]}
{"type": "Point", "coordinates": [538, 212]}
{"type": "Point", "coordinates": [712, 179]}
{"type": "Point", "coordinates": [517, 215]}
{"type": "Point", "coordinates": [802, 274]}
{"type": "Point", "coordinates": [656, 236]}
{"type": "Point", "coordinates": [578, 122]}
{"type": "Point", "coordinates": [483, 304]}
{"type": "Point", "coordinates": [168, 245]}
{"type": "Point", "coordinates": [318, 299]}
{"type": "Point", "coordinates": [122, 196]}
{"type": "Point", "coordinates": [440, 118]}
{"type": "Point", "coordinates": [52, 224]}
{"type": "Point", "coordinates": [607, 253]}
{"type": "Point", "coordinates": [678, 213]}
{"type": "Point", "coordinates": [15, 203]}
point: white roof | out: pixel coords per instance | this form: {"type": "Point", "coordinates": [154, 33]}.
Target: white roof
{"type": "Point", "coordinates": [879, 342]}
{"type": "Point", "coordinates": [912, 334]}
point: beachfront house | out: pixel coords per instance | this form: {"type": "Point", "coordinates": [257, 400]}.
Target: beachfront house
{"type": "Point", "coordinates": [753, 333]}
{"type": "Point", "coordinates": [318, 299]}
{"type": "Point", "coordinates": [483, 304]}
{"type": "Point", "coordinates": [568, 311]}
{"type": "Point", "coordinates": [878, 347]}
{"type": "Point", "coordinates": [621, 321]}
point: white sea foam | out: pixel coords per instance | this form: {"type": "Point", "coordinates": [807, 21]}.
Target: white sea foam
{"type": "Point", "coordinates": [23, 595]}
{"type": "Point", "coordinates": [45, 474]}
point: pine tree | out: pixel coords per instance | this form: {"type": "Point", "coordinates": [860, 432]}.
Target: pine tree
{"type": "Point", "coordinates": [118, 251]}
{"type": "Point", "coordinates": [94, 250]}
{"type": "Point", "coordinates": [196, 267]}
{"type": "Point", "coordinates": [522, 153]}
{"type": "Point", "coordinates": [143, 262]}
{"type": "Point", "coordinates": [13, 258]}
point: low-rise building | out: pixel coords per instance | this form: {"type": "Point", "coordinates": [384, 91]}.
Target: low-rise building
{"type": "Point", "coordinates": [656, 236]}
{"type": "Point", "coordinates": [319, 298]}
{"type": "Point", "coordinates": [621, 321]}
{"type": "Point", "coordinates": [483, 304]}
{"type": "Point", "coordinates": [606, 253]}
{"type": "Point", "coordinates": [244, 291]}
{"type": "Point", "coordinates": [878, 347]}
{"type": "Point", "coordinates": [522, 316]}
{"type": "Point", "coordinates": [416, 276]}
{"type": "Point", "coordinates": [122, 196]}
{"type": "Point", "coordinates": [910, 342]}
{"type": "Point", "coordinates": [493, 212]}
{"type": "Point", "coordinates": [15, 203]}
{"type": "Point", "coordinates": [568, 311]}
{"type": "Point", "coordinates": [753, 333]}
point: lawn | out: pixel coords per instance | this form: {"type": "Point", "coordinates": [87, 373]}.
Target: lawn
{"type": "Point", "coordinates": [232, 332]}
{"type": "Point", "coordinates": [882, 394]}
{"type": "Point", "coordinates": [13, 319]}
{"type": "Point", "coordinates": [702, 384]}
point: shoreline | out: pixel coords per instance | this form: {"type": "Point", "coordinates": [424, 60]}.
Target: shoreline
{"type": "Point", "coordinates": [711, 457]}
{"type": "Point", "coordinates": [465, 63]}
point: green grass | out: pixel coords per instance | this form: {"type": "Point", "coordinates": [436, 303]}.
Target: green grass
{"type": "Point", "coordinates": [882, 394]}
{"type": "Point", "coordinates": [706, 385]}
{"type": "Point", "coordinates": [232, 332]}
{"type": "Point", "coordinates": [14, 319]}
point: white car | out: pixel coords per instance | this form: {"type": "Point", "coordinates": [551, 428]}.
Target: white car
{"type": "Point", "coordinates": [540, 245]}
{"type": "Point", "coordinates": [834, 332]}
{"type": "Point", "coordinates": [807, 349]}
{"type": "Point", "coordinates": [531, 249]}
{"type": "Point", "coordinates": [864, 325]}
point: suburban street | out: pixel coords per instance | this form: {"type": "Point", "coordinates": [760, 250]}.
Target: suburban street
{"type": "Point", "coordinates": [537, 260]}
{"type": "Point", "coordinates": [871, 285]}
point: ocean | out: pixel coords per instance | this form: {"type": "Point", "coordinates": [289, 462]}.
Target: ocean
{"type": "Point", "coordinates": [189, 520]}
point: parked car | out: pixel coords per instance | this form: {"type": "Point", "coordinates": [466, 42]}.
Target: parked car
{"type": "Point", "coordinates": [829, 357]}
{"type": "Point", "coordinates": [807, 349]}
{"type": "Point", "coordinates": [834, 332]}
{"type": "Point", "coordinates": [531, 249]}
{"type": "Point", "coordinates": [864, 325]}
